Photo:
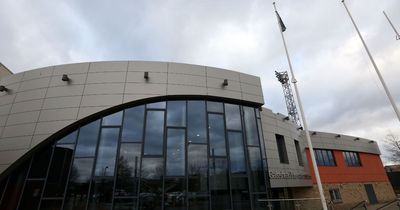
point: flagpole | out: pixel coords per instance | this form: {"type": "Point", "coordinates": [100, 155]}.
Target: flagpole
{"type": "Point", "coordinates": [374, 64]}
{"type": "Point", "coordinates": [303, 118]}
{"type": "Point", "coordinates": [391, 24]}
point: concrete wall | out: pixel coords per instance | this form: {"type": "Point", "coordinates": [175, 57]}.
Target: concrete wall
{"type": "Point", "coordinates": [39, 103]}
{"type": "Point", "coordinates": [4, 71]}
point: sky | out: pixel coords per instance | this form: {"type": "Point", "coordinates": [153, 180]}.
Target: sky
{"type": "Point", "coordinates": [340, 90]}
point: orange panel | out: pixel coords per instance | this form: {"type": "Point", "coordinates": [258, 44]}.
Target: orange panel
{"type": "Point", "coordinates": [371, 169]}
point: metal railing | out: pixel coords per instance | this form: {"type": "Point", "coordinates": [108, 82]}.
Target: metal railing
{"type": "Point", "coordinates": [362, 204]}
{"type": "Point", "coordinates": [390, 204]}
{"type": "Point", "coordinates": [295, 203]}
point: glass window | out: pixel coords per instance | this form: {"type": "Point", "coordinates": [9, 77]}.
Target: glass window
{"type": "Point", "coordinates": [216, 131]}
{"type": "Point", "coordinates": [128, 169]}
{"type": "Point", "coordinates": [51, 204]}
{"type": "Point", "coordinates": [40, 164]}
{"type": "Point", "coordinates": [198, 177]}
{"type": "Point", "coordinates": [196, 127]}
{"type": "Point", "coordinates": [176, 113]}
{"type": "Point", "coordinates": [298, 152]}
{"type": "Point", "coordinates": [280, 143]}
{"type": "Point", "coordinates": [240, 193]}
{"type": "Point", "coordinates": [31, 197]}
{"type": "Point", "coordinates": [219, 184]}
{"type": "Point", "coordinates": [261, 135]}
{"type": "Point", "coordinates": [113, 119]}
{"type": "Point", "coordinates": [157, 105]}
{"type": "Point", "coordinates": [335, 195]}
{"type": "Point", "coordinates": [59, 168]}
{"type": "Point", "coordinates": [250, 126]}
{"type": "Point", "coordinates": [256, 170]}
{"type": "Point", "coordinates": [175, 194]}
{"type": "Point", "coordinates": [175, 163]}
{"type": "Point", "coordinates": [105, 163]}
{"type": "Point", "coordinates": [3, 185]}
{"type": "Point", "coordinates": [14, 187]}
{"type": "Point", "coordinates": [236, 152]}
{"type": "Point", "coordinates": [78, 187]}
{"type": "Point", "coordinates": [124, 203]}
{"type": "Point", "coordinates": [101, 194]}
{"type": "Point", "coordinates": [133, 124]}
{"type": "Point", "coordinates": [215, 107]}
{"type": "Point", "coordinates": [351, 159]}
{"type": "Point", "coordinates": [232, 115]}
{"type": "Point", "coordinates": [87, 140]}
{"type": "Point", "coordinates": [154, 138]}
{"type": "Point", "coordinates": [324, 157]}
{"type": "Point", "coordinates": [151, 190]}
{"type": "Point", "coordinates": [68, 139]}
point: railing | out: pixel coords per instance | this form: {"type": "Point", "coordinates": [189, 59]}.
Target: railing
{"type": "Point", "coordinates": [361, 204]}
{"type": "Point", "coordinates": [293, 203]}
{"type": "Point", "coordinates": [390, 204]}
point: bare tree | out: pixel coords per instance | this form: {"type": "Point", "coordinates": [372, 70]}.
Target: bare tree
{"type": "Point", "coordinates": [393, 146]}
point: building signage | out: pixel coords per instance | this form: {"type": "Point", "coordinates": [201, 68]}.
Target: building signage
{"type": "Point", "coordinates": [273, 174]}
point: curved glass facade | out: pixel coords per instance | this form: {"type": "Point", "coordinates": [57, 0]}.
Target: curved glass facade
{"type": "Point", "coordinates": [182, 154]}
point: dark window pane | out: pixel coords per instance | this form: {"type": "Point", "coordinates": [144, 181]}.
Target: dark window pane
{"type": "Point", "coordinates": [151, 183]}
{"type": "Point", "coordinates": [154, 138]}
{"type": "Point", "coordinates": [128, 169]}
{"type": "Point", "coordinates": [40, 163]}
{"type": "Point", "coordinates": [31, 197]}
{"type": "Point", "coordinates": [50, 205]}
{"type": "Point", "coordinates": [262, 141]}
{"type": "Point", "coordinates": [330, 158]}
{"type": "Point", "coordinates": [113, 119]}
{"type": "Point", "coordinates": [219, 184]}
{"type": "Point", "coordinates": [236, 152]}
{"type": "Point", "coordinates": [256, 170]}
{"type": "Point", "coordinates": [101, 194]}
{"type": "Point", "coordinates": [175, 163]}
{"type": "Point", "coordinates": [78, 187]}
{"type": "Point", "coordinates": [68, 139]}
{"type": "Point", "coordinates": [197, 132]}
{"type": "Point", "coordinates": [158, 105]}
{"type": "Point", "coordinates": [198, 177]}
{"type": "Point", "coordinates": [232, 115]}
{"type": "Point", "coordinates": [240, 193]}
{"type": "Point", "coordinates": [14, 186]}
{"type": "Point", "coordinates": [259, 203]}
{"type": "Point", "coordinates": [124, 203]}
{"type": "Point", "coordinates": [216, 130]}
{"type": "Point", "coordinates": [280, 143]}
{"type": "Point", "coordinates": [325, 157]}
{"type": "Point", "coordinates": [175, 194]}
{"type": "Point", "coordinates": [176, 113]}
{"type": "Point", "coordinates": [352, 158]}
{"type": "Point", "coordinates": [250, 125]}
{"type": "Point", "coordinates": [105, 163]}
{"type": "Point", "coordinates": [59, 169]}
{"type": "Point", "coordinates": [215, 107]}
{"type": "Point", "coordinates": [3, 185]}
{"type": "Point", "coordinates": [133, 125]}
{"type": "Point", "coordinates": [87, 140]}
{"type": "Point", "coordinates": [298, 152]}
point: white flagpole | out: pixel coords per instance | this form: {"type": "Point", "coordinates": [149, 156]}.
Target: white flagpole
{"type": "Point", "coordinates": [374, 64]}
{"type": "Point", "coordinates": [391, 24]}
{"type": "Point", "coordinates": [303, 118]}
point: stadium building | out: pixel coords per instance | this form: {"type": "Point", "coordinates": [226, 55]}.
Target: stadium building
{"type": "Point", "coordinates": [158, 135]}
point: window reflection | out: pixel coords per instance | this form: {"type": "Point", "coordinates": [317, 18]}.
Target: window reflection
{"type": "Point", "coordinates": [105, 163]}
{"type": "Point", "coordinates": [232, 115]}
{"type": "Point", "coordinates": [124, 203]}
{"type": "Point", "coordinates": [257, 173]}
{"type": "Point", "coordinates": [128, 169]}
{"type": "Point", "coordinates": [175, 162]}
{"type": "Point", "coordinates": [151, 189]}
{"type": "Point", "coordinates": [219, 184]}
{"type": "Point", "coordinates": [250, 125]}
{"type": "Point", "coordinates": [153, 144]}
{"type": "Point", "coordinates": [87, 140]}
{"type": "Point", "coordinates": [240, 193]}
{"type": "Point", "coordinates": [197, 132]}
{"type": "Point", "coordinates": [215, 107]}
{"type": "Point", "coordinates": [175, 194]}
{"type": "Point", "coordinates": [216, 131]}
{"type": "Point", "coordinates": [176, 113]}
{"type": "Point", "coordinates": [197, 175]}
{"type": "Point", "coordinates": [68, 139]}
{"type": "Point", "coordinates": [31, 197]}
{"type": "Point", "coordinates": [133, 124]}
{"type": "Point", "coordinates": [236, 152]}
{"type": "Point", "coordinates": [101, 194]}
{"type": "Point", "coordinates": [113, 119]}
{"type": "Point", "coordinates": [40, 163]}
{"type": "Point", "coordinates": [157, 105]}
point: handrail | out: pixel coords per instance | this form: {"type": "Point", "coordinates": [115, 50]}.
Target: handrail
{"type": "Point", "coordinates": [288, 199]}
{"type": "Point", "coordinates": [362, 203]}
{"type": "Point", "coordinates": [390, 203]}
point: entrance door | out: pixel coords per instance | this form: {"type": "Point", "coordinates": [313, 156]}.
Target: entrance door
{"type": "Point", "coordinates": [369, 188]}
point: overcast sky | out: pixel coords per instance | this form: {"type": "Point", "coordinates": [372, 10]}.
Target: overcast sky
{"type": "Point", "coordinates": [340, 90]}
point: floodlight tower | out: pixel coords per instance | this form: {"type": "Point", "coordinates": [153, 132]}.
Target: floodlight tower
{"type": "Point", "coordinates": [283, 78]}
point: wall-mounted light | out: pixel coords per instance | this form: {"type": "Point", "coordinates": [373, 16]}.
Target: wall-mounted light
{"type": "Point", "coordinates": [313, 133]}
{"type": "Point", "coordinates": [371, 142]}
{"type": "Point", "coordinates": [225, 83]}
{"type": "Point", "coordinates": [65, 78]}
{"type": "Point", "coordinates": [356, 139]}
{"type": "Point", "coordinates": [338, 136]}
{"type": "Point", "coordinates": [300, 128]}
{"type": "Point", "coordinates": [146, 75]}
{"type": "Point", "coordinates": [286, 118]}
{"type": "Point", "coordinates": [3, 88]}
